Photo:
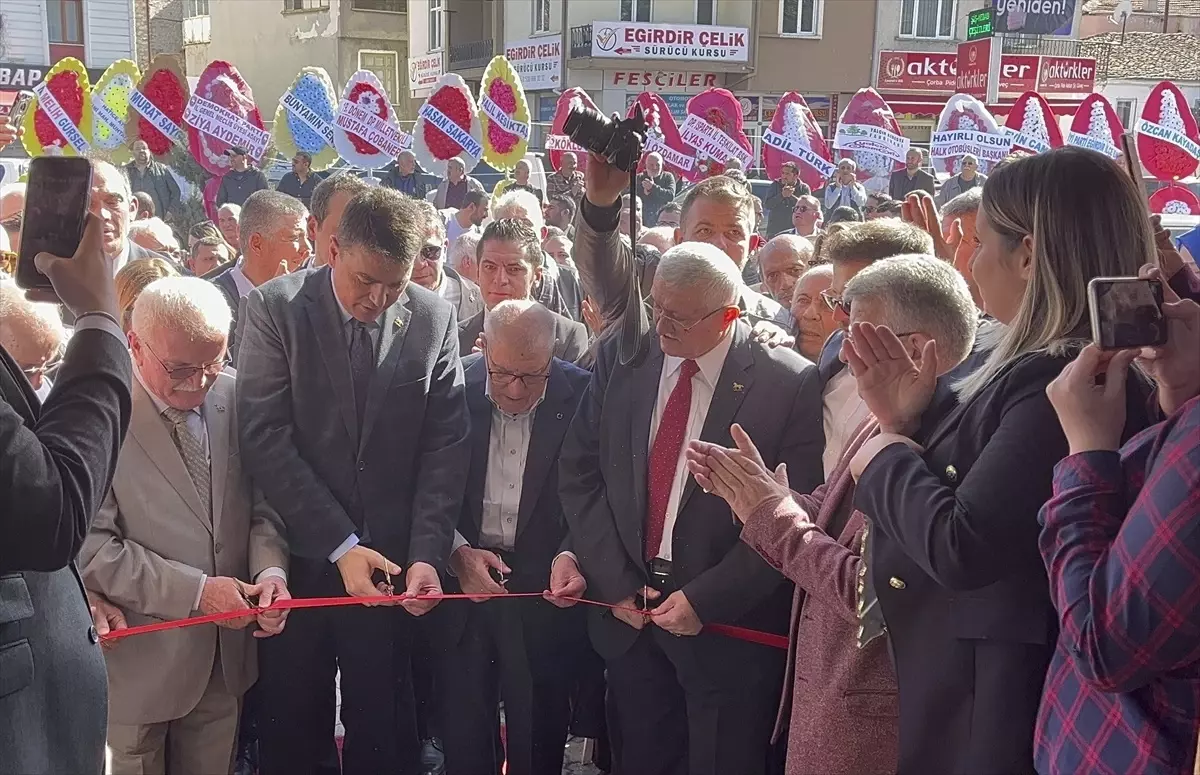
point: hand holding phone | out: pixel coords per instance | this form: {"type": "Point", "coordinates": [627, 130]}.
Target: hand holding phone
{"type": "Point", "coordinates": [82, 282]}
{"type": "Point", "coordinates": [1126, 312]}
{"type": "Point", "coordinates": [56, 204]}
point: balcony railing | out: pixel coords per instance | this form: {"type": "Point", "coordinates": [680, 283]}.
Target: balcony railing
{"type": "Point", "coordinates": [581, 41]}
{"type": "Point", "coordinates": [1036, 44]}
{"type": "Point", "coordinates": [475, 53]}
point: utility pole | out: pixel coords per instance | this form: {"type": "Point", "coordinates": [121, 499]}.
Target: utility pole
{"type": "Point", "coordinates": [1166, 13]}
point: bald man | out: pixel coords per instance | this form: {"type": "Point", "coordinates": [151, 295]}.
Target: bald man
{"type": "Point", "coordinates": [655, 188]}
{"type": "Point", "coordinates": [12, 213]}
{"type": "Point", "coordinates": [781, 262]}
{"type": "Point", "coordinates": [33, 335]}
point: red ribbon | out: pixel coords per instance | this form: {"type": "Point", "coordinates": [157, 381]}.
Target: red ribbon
{"type": "Point", "coordinates": [740, 633]}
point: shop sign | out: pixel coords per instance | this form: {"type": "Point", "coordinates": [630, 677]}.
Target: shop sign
{"type": "Point", "coordinates": [936, 72]}
{"type": "Point", "coordinates": [538, 61]}
{"type": "Point", "coordinates": [654, 80]}
{"type": "Point", "coordinates": [423, 73]}
{"type": "Point", "coordinates": [695, 42]}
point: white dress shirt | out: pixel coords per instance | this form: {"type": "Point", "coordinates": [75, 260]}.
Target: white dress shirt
{"type": "Point", "coordinates": [843, 411]}
{"type": "Point", "coordinates": [122, 258]}
{"type": "Point", "coordinates": [703, 386]}
{"type": "Point", "coordinates": [450, 290]}
{"type": "Point", "coordinates": [374, 330]}
{"type": "Point", "coordinates": [241, 281]}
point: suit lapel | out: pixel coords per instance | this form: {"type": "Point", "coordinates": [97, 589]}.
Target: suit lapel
{"type": "Point", "coordinates": [643, 385]}
{"type": "Point", "coordinates": [545, 438]}
{"type": "Point", "coordinates": [216, 420]}
{"type": "Point", "coordinates": [392, 333]}
{"type": "Point", "coordinates": [17, 391]}
{"type": "Point", "coordinates": [481, 434]}
{"type": "Point", "coordinates": [733, 386]}
{"type": "Point", "coordinates": [329, 332]}
{"type": "Point", "coordinates": [154, 437]}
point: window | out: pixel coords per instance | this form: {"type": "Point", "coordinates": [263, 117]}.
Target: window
{"type": "Point", "coordinates": [541, 15]}
{"type": "Point", "coordinates": [390, 6]}
{"type": "Point", "coordinates": [706, 12]}
{"type": "Point", "coordinates": [635, 10]}
{"type": "Point", "coordinates": [927, 18]}
{"type": "Point", "coordinates": [305, 5]}
{"type": "Point", "coordinates": [800, 17]}
{"type": "Point", "coordinates": [194, 8]}
{"type": "Point", "coordinates": [1126, 111]}
{"type": "Point", "coordinates": [384, 64]}
{"type": "Point", "coordinates": [64, 19]}
{"type": "Point", "coordinates": [435, 25]}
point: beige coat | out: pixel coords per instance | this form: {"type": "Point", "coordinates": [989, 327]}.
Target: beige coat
{"type": "Point", "coordinates": [148, 547]}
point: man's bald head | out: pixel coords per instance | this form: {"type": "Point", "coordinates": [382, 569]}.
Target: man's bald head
{"type": "Point", "coordinates": [781, 262]}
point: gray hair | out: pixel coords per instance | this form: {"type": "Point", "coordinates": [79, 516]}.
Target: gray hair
{"type": "Point", "coordinates": [522, 322]}
{"type": "Point", "coordinates": [188, 304]}
{"type": "Point", "coordinates": [330, 187]}
{"type": "Point", "coordinates": [232, 209]}
{"type": "Point", "coordinates": [26, 320]}
{"type": "Point", "coordinates": [793, 242]}
{"type": "Point", "coordinates": [964, 204]}
{"type": "Point", "coordinates": [434, 223]}
{"type": "Point", "coordinates": [921, 293]}
{"type": "Point", "coordinates": [521, 206]}
{"type": "Point", "coordinates": [656, 156]}
{"type": "Point", "coordinates": [702, 268]}
{"type": "Point", "coordinates": [966, 157]}
{"type": "Point", "coordinates": [262, 213]}
{"type": "Point", "coordinates": [851, 163]}
{"type": "Point", "coordinates": [661, 237]}
{"type": "Point", "coordinates": [156, 228]}
{"type": "Point", "coordinates": [813, 271]}
{"type": "Point", "coordinates": [457, 161]}
{"type": "Point", "coordinates": [464, 247]}
{"type": "Point", "coordinates": [120, 172]}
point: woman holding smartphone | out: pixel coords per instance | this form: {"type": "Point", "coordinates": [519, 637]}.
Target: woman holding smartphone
{"type": "Point", "coordinates": [954, 503]}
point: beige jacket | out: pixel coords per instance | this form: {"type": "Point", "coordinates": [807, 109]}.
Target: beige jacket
{"type": "Point", "coordinates": [149, 545]}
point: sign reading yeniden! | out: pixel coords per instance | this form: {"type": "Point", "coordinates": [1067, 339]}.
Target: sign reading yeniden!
{"type": "Point", "coordinates": [639, 40]}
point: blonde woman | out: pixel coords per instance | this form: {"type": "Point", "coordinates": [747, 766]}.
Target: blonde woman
{"type": "Point", "coordinates": [133, 279]}
{"type": "Point", "coordinates": [954, 481]}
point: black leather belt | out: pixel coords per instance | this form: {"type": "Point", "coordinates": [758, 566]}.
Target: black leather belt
{"type": "Point", "coordinates": [659, 568]}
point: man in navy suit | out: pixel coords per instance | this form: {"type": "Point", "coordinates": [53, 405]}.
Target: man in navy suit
{"type": "Point", "coordinates": [510, 535]}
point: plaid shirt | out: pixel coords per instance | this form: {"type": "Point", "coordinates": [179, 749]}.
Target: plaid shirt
{"type": "Point", "coordinates": [1121, 542]}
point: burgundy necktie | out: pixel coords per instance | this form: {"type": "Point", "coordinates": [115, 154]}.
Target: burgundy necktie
{"type": "Point", "coordinates": [664, 456]}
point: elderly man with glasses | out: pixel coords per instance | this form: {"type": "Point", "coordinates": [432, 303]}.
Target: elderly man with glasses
{"type": "Point", "coordinates": [33, 335]}
{"type": "Point", "coordinates": [183, 532]}
{"type": "Point", "coordinates": [430, 270]}
{"type": "Point", "coordinates": [806, 217]}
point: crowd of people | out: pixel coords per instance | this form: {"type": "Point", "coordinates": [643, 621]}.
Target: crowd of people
{"type": "Point", "coordinates": [880, 433]}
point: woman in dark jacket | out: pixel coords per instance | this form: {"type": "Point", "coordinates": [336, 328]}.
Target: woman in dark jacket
{"type": "Point", "coordinates": [954, 549]}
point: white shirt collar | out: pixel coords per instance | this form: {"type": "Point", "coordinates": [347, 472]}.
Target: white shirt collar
{"type": "Point", "coordinates": [710, 363]}
{"type": "Point", "coordinates": [123, 257]}
{"type": "Point", "coordinates": [240, 280]}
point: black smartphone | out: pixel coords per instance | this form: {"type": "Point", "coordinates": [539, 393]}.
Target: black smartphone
{"type": "Point", "coordinates": [1126, 313]}
{"type": "Point", "coordinates": [20, 106]}
{"type": "Point", "coordinates": [56, 206]}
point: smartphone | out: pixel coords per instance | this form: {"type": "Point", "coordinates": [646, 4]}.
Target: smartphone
{"type": "Point", "coordinates": [1126, 313]}
{"type": "Point", "coordinates": [1133, 165]}
{"type": "Point", "coordinates": [16, 114]}
{"type": "Point", "coordinates": [56, 206]}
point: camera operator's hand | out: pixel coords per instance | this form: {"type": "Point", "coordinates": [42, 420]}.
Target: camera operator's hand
{"type": "Point", "coordinates": [8, 133]}
{"type": "Point", "coordinates": [603, 182]}
{"type": "Point", "coordinates": [1175, 367]}
{"type": "Point", "coordinates": [83, 282]}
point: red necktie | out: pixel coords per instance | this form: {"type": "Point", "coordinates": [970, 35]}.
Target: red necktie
{"type": "Point", "coordinates": [664, 456]}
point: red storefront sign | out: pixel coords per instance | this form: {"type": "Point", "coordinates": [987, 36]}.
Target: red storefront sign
{"type": "Point", "coordinates": [936, 72]}
{"type": "Point", "coordinates": [972, 75]}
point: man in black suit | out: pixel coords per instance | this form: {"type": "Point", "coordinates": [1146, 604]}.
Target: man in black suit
{"type": "Point", "coordinates": [687, 702]}
{"type": "Point", "coordinates": [510, 264]}
{"type": "Point", "coordinates": [56, 462]}
{"type": "Point", "coordinates": [525, 652]}
{"type": "Point", "coordinates": [354, 424]}
{"type": "Point", "coordinates": [112, 201]}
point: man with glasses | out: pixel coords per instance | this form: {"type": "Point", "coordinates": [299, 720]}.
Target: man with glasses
{"type": "Point", "coordinates": [430, 270]}
{"type": "Point", "coordinates": [850, 251]}
{"type": "Point", "coordinates": [969, 177]}
{"type": "Point", "coordinates": [33, 335]}
{"type": "Point", "coordinates": [648, 538]}
{"type": "Point", "coordinates": [806, 216]}
{"type": "Point", "coordinates": [510, 532]}
{"type": "Point", "coordinates": [183, 532]}
{"type": "Point", "coordinates": [511, 262]}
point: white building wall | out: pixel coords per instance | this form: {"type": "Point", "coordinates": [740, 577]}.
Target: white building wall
{"type": "Point", "coordinates": [23, 38]}
{"type": "Point", "coordinates": [108, 31]}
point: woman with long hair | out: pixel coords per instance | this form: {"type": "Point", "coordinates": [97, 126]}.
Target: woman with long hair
{"type": "Point", "coordinates": [953, 495]}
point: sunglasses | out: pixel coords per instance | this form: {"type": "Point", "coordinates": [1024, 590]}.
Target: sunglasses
{"type": "Point", "coordinates": [803, 210]}
{"type": "Point", "coordinates": [834, 302]}
{"type": "Point", "coordinates": [431, 253]}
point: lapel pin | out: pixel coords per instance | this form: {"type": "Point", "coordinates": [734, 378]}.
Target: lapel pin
{"type": "Point", "coordinates": [220, 408]}
{"type": "Point", "coordinates": [738, 387]}
{"type": "Point", "coordinates": [560, 415]}
{"type": "Point", "coordinates": [399, 324]}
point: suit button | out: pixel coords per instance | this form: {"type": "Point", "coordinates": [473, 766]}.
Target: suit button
{"type": "Point", "coordinates": [952, 473]}
{"type": "Point", "coordinates": [896, 583]}
{"type": "Point", "coordinates": [219, 547]}
{"type": "Point", "coordinates": [93, 636]}
{"type": "Point", "coordinates": [362, 466]}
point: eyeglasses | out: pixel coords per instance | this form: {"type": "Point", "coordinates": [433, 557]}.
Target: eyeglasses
{"type": "Point", "coordinates": [13, 225]}
{"type": "Point", "coordinates": [40, 371]}
{"type": "Point", "coordinates": [677, 324]}
{"type": "Point", "coordinates": [184, 373]}
{"type": "Point", "coordinates": [803, 210]}
{"type": "Point", "coordinates": [834, 301]}
{"type": "Point", "coordinates": [506, 378]}
{"type": "Point", "coordinates": [431, 253]}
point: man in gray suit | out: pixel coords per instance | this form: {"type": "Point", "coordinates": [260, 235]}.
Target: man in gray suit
{"type": "Point", "coordinates": [56, 461]}
{"type": "Point", "coordinates": [511, 260]}
{"type": "Point", "coordinates": [686, 701]}
{"type": "Point", "coordinates": [354, 423]}
{"type": "Point", "coordinates": [431, 271]}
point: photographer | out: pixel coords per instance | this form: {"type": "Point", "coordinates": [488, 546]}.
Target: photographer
{"type": "Point", "coordinates": [719, 211]}
{"type": "Point", "coordinates": [1119, 544]}
{"type": "Point", "coordinates": [58, 461]}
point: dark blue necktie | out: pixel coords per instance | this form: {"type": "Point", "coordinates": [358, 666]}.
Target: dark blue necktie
{"type": "Point", "coordinates": [362, 365]}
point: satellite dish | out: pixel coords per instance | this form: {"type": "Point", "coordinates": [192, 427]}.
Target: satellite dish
{"type": "Point", "coordinates": [1122, 12]}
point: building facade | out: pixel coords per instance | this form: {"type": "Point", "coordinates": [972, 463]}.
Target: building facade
{"type": "Point", "coordinates": [270, 41]}
{"type": "Point", "coordinates": [1166, 16]}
